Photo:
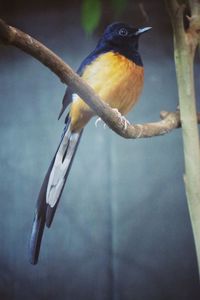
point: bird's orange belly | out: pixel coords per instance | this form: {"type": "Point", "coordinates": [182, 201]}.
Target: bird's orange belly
{"type": "Point", "coordinates": [117, 80]}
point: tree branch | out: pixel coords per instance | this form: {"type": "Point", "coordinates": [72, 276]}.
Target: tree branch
{"type": "Point", "coordinates": [176, 14]}
{"type": "Point", "coordinates": [13, 36]}
{"type": "Point", "coordinates": [195, 7]}
{"type": "Point", "coordinates": [193, 32]}
{"type": "Point", "coordinates": [184, 50]}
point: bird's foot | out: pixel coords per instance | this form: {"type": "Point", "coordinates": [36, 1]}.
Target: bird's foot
{"type": "Point", "coordinates": [124, 121]}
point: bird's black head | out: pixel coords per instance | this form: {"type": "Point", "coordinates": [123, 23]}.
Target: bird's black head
{"type": "Point", "coordinates": [122, 35]}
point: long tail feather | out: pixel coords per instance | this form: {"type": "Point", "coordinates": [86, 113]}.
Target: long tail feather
{"type": "Point", "coordinates": [60, 173]}
{"type": "Point", "coordinates": [39, 220]}
{"type": "Point", "coordinates": [52, 188]}
{"type": "Point", "coordinates": [36, 238]}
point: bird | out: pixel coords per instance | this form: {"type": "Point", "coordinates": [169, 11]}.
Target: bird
{"type": "Point", "coordinates": [115, 71]}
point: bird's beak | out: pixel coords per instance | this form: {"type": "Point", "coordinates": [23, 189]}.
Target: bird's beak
{"type": "Point", "coordinates": [142, 30]}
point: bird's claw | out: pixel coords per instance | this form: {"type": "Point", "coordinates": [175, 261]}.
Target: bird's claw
{"type": "Point", "coordinates": [124, 121]}
{"type": "Point", "coordinates": [99, 120]}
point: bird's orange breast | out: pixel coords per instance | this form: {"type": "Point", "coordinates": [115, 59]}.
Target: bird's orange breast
{"type": "Point", "coordinates": [117, 80]}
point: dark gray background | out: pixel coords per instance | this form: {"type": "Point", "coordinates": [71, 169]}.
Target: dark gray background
{"type": "Point", "coordinates": [122, 230]}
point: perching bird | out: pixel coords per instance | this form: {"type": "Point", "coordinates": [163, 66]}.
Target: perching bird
{"type": "Point", "coordinates": [115, 71]}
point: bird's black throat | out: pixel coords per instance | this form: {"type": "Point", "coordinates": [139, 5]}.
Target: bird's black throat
{"type": "Point", "coordinates": [129, 51]}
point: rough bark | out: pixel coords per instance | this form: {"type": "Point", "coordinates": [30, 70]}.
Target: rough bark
{"type": "Point", "coordinates": [185, 45]}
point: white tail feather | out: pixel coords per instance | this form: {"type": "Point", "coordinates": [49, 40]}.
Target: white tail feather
{"type": "Point", "coordinates": [61, 164]}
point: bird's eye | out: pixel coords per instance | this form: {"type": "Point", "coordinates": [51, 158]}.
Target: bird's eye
{"type": "Point", "coordinates": [123, 32]}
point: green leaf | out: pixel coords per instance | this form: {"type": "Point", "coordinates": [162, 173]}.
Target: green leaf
{"type": "Point", "coordinates": [91, 14]}
{"type": "Point", "coordinates": [119, 6]}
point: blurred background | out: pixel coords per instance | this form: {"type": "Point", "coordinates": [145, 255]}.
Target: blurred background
{"type": "Point", "coordinates": [122, 230]}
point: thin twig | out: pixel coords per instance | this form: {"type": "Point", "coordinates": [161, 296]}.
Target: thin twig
{"type": "Point", "coordinates": [176, 11]}
{"type": "Point", "coordinates": [143, 12]}
{"type": "Point", "coordinates": [195, 7]}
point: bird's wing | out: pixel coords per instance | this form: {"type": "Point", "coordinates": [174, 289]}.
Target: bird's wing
{"type": "Point", "coordinates": [68, 97]}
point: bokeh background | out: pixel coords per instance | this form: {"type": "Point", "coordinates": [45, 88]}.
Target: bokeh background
{"type": "Point", "coordinates": [122, 230]}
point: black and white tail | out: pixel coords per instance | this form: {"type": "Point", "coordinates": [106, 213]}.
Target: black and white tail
{"type": "Point", "coordinates": [52, 188]}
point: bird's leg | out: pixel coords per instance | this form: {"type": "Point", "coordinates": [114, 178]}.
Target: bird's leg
{"type": "Point", "coordinates": [122, 118]}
